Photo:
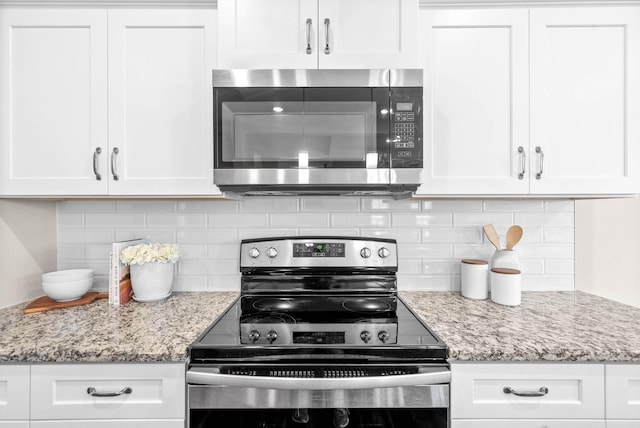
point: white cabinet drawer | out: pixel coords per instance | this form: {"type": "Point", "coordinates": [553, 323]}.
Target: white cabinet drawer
{"type": "Point", "coordinates": [14, 392]}
{"type": "Point", "coordinates": [524, 423]}
{"type": "Point", "coordinates": [60, 391]}
{"type": "Point", "coordinates": [623, 424]}
{"type": "Point", "coordinates": [575, 391]}
{"type": "Point", "coordinates": [129, 423]}
{"type": "Point", "coordinates": [15, 424]}
{"type": "Point", "coordinates": [623, 391]}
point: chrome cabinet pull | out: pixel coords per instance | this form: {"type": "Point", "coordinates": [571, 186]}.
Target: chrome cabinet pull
{"type": "Point", "coordinates": [113, 163]}
{"type": "Point", "coordinates": [539, 393]}
{"type": "Point", "coordinates": [523, 162]}
{"type": "Point", "coordinates": [541, 156]}
{"type": "Point", "coordinates": [94, 393]}
{"type": "Point", "coordinates": [327, 49]}
{"type": "Point", "coordinates": [95, 163]}
{"type": "Point", "coordinates": [309, 50]}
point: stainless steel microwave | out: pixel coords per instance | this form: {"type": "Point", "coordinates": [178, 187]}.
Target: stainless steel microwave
{"type": "Point", "coordinates": [356, 132]}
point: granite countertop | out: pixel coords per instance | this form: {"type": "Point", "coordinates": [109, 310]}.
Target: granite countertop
{"type": "Point", "coordinates": [159, 331]}
{"type": "Point", "coordinates": [548, 326]}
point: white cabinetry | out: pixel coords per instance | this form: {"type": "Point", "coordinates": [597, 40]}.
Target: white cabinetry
{"type": "Point", "coordinates": [153, 100]}
{"type": "Point", "coordinates": [160, 102]}
{"type": "Point", "coordinates": [475, 101]}
{"type": "Point", "coordinates": [296, 33]}
{"type": "Point", "coordinates": [560, 395]}
{"type": "Point", "coordinates": [143, 395]}
{"type": "Point", "coordinates": [585, 99]}
{"type": "Point", "coordinates": [537, 101]}
{"type": "Point", "coordinates": [14, 396]}
{"type": "Point", "coordinates": [53, 108]}
{"type": "Point", "coordinates": [623, 395]}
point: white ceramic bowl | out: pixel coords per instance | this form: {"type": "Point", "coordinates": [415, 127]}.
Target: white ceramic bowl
{"type": "Point", "coordinates": [67, 291]}
{"type": "Point", "coordinates": [64, 276]}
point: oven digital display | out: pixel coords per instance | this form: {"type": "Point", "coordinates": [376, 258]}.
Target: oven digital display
{"type": "Point", "coordinates": [318, 249]}
{"type": "Point", "coordinates": [318, 337]}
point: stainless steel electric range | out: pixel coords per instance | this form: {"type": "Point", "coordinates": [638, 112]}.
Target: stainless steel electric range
{"type": "Point", "coordinates": [318, 338]}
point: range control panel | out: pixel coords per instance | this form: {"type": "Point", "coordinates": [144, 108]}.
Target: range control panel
{"type": "Point", "coordinates": [319, 252]}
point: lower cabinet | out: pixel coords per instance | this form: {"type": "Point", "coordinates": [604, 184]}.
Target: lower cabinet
{"type": "Point", "coordinates": [545, 395]}
{"type": "Point", "coordinates": [108, 395]}
{"type": "Point", "coordinates": [14, 396]}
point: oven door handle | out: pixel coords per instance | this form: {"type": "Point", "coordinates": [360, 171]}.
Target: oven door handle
{"type": "Point", "coordinates": [212, 376]}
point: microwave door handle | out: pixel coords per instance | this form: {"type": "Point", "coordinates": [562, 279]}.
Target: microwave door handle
{"type": "Point", "coordinates": [209, 376]}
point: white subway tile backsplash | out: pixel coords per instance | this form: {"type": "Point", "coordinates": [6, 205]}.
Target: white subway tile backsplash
{"type": "Point", "coordinates": [432, 235]}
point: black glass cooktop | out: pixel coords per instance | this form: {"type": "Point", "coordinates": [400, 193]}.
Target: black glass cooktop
{"type": "Point", "coordinates": [412, 340]}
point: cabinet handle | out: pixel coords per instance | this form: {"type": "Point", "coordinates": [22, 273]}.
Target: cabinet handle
{"type": "Point", "coordinates": [523, 162]}
{"type": "Point", "coordinates": [539, 393]}
{"type": "Point", "coordinates": [309, 50]}
{"type": "Point", "coordinates": [541, 157]}
{"type": "Point", "coordinates": [113, 163]}
{"type": "Point", "coordinates": [94, 393]}
{"type": "Point", "coordinates": [95, 163]}
{"type": "Point", "coordinates": [327, 49]}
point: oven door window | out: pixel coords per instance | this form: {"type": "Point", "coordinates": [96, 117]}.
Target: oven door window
{"type": "Point", "coordinates": [320, 418]}
{"type": "Point", "coordinates": [302, 128]}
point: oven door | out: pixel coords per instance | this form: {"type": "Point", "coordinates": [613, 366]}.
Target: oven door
{"type": "Point", "coordinates": [289, 398]}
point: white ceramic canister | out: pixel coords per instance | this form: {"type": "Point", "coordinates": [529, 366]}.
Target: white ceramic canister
{"type": "Point", "coordinates": [474, 278]}
{"type": "Point", "coordinates": [505, 259]}
{"type": "Point", "coordinates": [506, 286]}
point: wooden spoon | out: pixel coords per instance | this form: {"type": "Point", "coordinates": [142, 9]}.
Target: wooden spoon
{"type": "Point", "coordinates": [492, 235]}
{"type": "Point", "coordinates": [514, 234]}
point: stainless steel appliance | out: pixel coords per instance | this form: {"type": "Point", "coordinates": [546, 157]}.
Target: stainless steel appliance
{"type": "Point", "coordinates": [318, 338]}
{"type": "Point", "coordinates": [318, 131]}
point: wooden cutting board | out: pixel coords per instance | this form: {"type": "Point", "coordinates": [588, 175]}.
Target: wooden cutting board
{"type": "Point", "coordinates": [46, 303]}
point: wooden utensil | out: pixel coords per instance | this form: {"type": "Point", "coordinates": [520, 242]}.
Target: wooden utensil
{"type": "Point", "coordinates": [514, 234]}
{"type": "Point", "coordinates": [46, 303]}
{"type": "Point", "coordinates": [492, 235]}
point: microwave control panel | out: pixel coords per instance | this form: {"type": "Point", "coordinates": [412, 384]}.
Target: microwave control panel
{"type": "Point", "coordinates": [406, 128]}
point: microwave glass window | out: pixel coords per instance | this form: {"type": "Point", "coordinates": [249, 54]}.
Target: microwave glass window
{"type": "Point", "coordinates": [318, 131]}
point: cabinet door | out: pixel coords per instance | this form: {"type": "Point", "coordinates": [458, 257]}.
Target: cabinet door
{"type": "Point", "coordinates": [268, 34]}
{"type": "Point", "coordinates": [115, 423]}
{"type": "Point", "coordinates": [623, 391]}
{"type": "Point", "coordinates": [53, 108]}
{"type": "Point", "coordinates": [160, 102]}
{"type": "Point", "coordinates": [475, 101]}
{"type": "Point", "coordinates": [14, 393]}
{"type": "Point", "coordinates": [585, 100]}
{"type": "Point", "coordinates": [368, 34]}
{"type": "Point", "coordinates": [532, 423]}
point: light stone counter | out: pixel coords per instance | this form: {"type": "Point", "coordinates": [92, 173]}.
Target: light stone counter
{"type": "Point", "coordinates": [547, 326]}
{"type": "Point", "coordinates": [97, 332]}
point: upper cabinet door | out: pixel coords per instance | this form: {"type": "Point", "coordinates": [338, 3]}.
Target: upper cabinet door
{"type": "Point", "coordinates": [160, 102]}
{"type": "Point", "coordinates": [53, 107]}
{"type": "Point", "coordinates": [475, 101]}
{"type": "Point", "coordinates": [368, 34]}
{"type": "Point", "coordinates": [268, 34]}
{"type": "Point", "coordinates": [585, 100]}
{"type": "Point", "coordinates": [318, 34]}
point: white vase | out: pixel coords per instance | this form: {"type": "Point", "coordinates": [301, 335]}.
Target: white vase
{"type": "Point", "coordinates": [151, 281]}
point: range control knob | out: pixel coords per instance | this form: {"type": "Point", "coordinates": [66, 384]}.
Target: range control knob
{"type": "Point", "coordinates": [254, 253]}
{"type": "Point", "coordinates": [272, 252]}
{"type": "Point", "coordinates": [365, 253]}
{"type": "Point", "coordinates": [383, 336]}
{"type": "Point", "coordinates": [384, 252]}
{"type": "Point", "coordinates": [365, 336]}
{"type": "Point", "coordinates": [272, 336]}
{"type": "Point", "coordinates": [254, 335]}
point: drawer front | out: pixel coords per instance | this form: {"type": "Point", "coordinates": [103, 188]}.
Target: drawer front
{"type": "Point", "coordinates": [523, 423]}
{"type": "Point", "coordinates": [623, 424]}
{"type": "Point", "coordinates": [575, 391]}
{"type": "Point", "coordinates": [123, 423]}
{"type": "Point", "coordinates": [623, 391]}
{"type": "Point", "coordinates": [61, 391]}
{"type": "Point", "coordinates": [14, 392]}
{"type": "Point", "coordinates": [14, 424]}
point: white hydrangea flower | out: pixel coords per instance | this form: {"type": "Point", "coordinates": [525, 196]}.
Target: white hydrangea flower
{"type": "Point", "coordinates": [146, 253]}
